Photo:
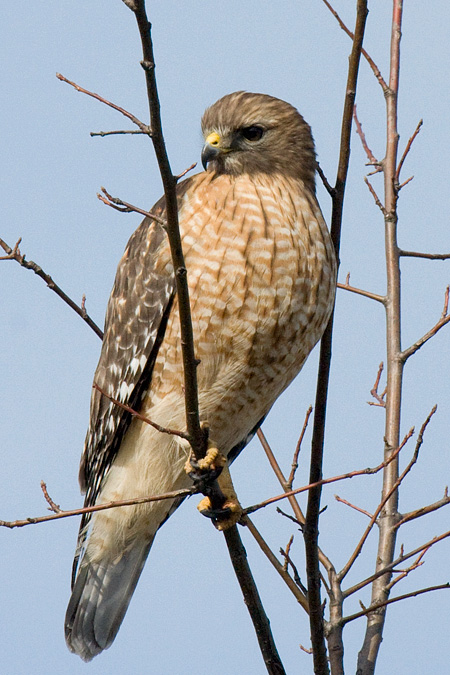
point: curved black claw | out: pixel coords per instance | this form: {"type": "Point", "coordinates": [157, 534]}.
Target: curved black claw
{"type": "Point", "coordinates": [216, 515]}
{"type": "Point", "coordinates": [203, 478]}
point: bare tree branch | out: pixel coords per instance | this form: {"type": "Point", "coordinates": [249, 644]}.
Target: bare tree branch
{"type": "Point", "coordinates": [373, 161]}
{"type": "Point", "coordinates": [144, 128]}
{"type": "Point", "coordinates": [11, 524]}
{"type": "Point", "coordinates": [311, 528]}
{"type": "Point", "coordinates": [293, 587]}
{"type": "Point", "coordinates": [428, 256]}
{"type": "Point", "coordinates": [134, 413]}
{"type": "Point", "coordinates": [369, 60]}
{"type": "Point", "coordinates": [379, 605]}
{"type": "Point", "coordinates": [359, 291]}
{"type": "Point", "coordinates": [424, 510]}
{"type": "Point", "coordinates": [443, 321]}
{"type": "Point", "coordinates": [334, 479]}
{"type": "Point", "coordinates": [406, 151]}
{"type": "Point", "coordinates": [15, 254]}
{"type": "Point", "coordinates": [119, 132]}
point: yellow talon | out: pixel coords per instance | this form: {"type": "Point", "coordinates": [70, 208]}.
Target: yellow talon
{"type": "Point", "coordinates": [231, 502]}
{"type": "Point", "coordinates": [210, 462]}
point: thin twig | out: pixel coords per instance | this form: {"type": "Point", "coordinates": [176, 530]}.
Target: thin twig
{"type": "Point", "coordinates": [402, 574]}
{"type": "Point", "coordinates": [145, 129]}
{"type": "Point", "coordinates": [424, 510]}
{"type": "Point", "coordinates": [369, 60]}
{"type": "Point", "coordinates": [15, 254]}
{"type": "Point", "coordinates": [375, 196]}
{"type": "Point", "coordinates": [380, 398]}
{"type": "Point", "coordinates": [353, 506]}
{"type": "Point", "coordinates": [378, 605]}
{"type": "Point", "coordinates": [311, 529]}
{"type": "Point", "coordinates": [345, 570]}
{"type": "Point", "coordinates": [443, 321]}
{"type": "Point", "coordinates": [134, 413]}
{"type": "Point", "coordinates": [295, 590]}
{"type": "Point", "coordinates": [11, 524]}
{"type": "Point", "coordinates": [288, 561]}
{"type": "Point", "coordinates": [53, 507]}
{"type": "Point", "coordinates": [398, 561]}
{"type": "Point", "coordinates": [406, 151]}
{"type": "Point", "coordinates": [294, 466]}
{"type": "Point", "coordinates": [359, 291]}
{"type": "Point", "coordinates": [373, 161]}
{"type": "Point", "coordinates": [125, 207]}
{"type": "Point", "coordinates": [121, 131]}
{"type": "Point", "coordinates": [427, 256]}
{"type": "Point", "coordinates": [389, 492]}
{"type": "Point", "coordinates": [324, 180]}
{"type": "Point", "coordinates": [334, 479]}
{"type": "Point", "coordinates": [299, 517]}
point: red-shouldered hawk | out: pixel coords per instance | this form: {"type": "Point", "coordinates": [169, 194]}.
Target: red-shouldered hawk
{"type": "Point", "coordinates": [261, 274]}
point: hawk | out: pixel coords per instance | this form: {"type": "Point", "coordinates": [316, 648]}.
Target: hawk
{"type": "Point", "coordinates": [261, 274]}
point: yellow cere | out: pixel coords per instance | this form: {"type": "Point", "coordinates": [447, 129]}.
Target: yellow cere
{"type": "Point", "coordinates": [213, 139]}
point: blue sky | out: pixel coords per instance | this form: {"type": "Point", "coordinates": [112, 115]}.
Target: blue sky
{"type": "Point", "coordinates": [187, 615]}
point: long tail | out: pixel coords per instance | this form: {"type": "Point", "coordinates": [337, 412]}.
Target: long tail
{"type": "Point", "coordinates": [100, 598]}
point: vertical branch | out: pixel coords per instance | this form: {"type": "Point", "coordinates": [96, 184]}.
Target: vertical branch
{"type": "Point", "coordinates": [311, 530]}
{"type": "Point", "coordinates": [197, 435]}
{"type": "Point", "coordinates": [249, 590]}
{"type": "Point", "coordinates": [198, 439]}
{"type": "Point", "coordinates": [389, 515]}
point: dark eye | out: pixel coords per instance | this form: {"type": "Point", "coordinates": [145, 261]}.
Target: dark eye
{"type": "Point", "coordinates": [253, 133]}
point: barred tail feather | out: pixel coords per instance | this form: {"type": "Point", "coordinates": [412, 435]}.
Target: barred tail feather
{"type": "Point", "coordinates": [100, 598]}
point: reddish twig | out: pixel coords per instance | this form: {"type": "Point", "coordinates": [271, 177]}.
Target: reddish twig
{"type": "Point", "coordinates": [404, 573]}
{"type": "Point", "coordinates": [375, 196]}
{"type": "Point", "coordinates": [158, 427]}
{"type": "Point", "coordinates": [119, 132]}
{"type": "Point", "coordinates": [402, 185]}
{"type": "Point", "coordinates": [145, 129]}
{"type": "Point", "coordinates": [370, 61]}
{"type": "Point", "coordinates": [424, 510]}
{"type": "Point", "coordinates": [53, 507]}
{"type": "Point", "coordinates": [125, 207]}
{"type": "Point", "coordinates": [359, 291]}
{"type": "Point", "coordinates": [373, 161]}
{"type": "Point", "coordinates": [295, 590]}
{"type": "Point", "coordinates": [306, 650]}
{"type": "Point", "coordinates": [288, 561]}
{"type": "Point", "coordinates": [405, 153]}
{"type": "Point", "coordinates": [183, 173]}
{"type": "Point", "coordinates": [285, 552]}
{"type": "Point", "coordinates": [380, 398]}
{"type": "Point", "coordinates": [445, 318]}
{"type": "Point", "coordinates": [294, 466]}
{"type": "Point", "coordinates": [378, 605]}
{"type": "Point", "coordinates": [11, 524]}
{"type": "Point", "coordinates": [323, 178]}
{"type": "Point", "coordinates": [299, 517]}
{"type": "Point", "coordinates": [398, 561]}
{"type": "Point", "coordinates": [427, 256]}
{"type": "Point", "coordinates": [357, 508]}
{"type": "Point", "coordinates": [334, 479]}
{"type": "Point", "coordinates": [345, 570]}
{"type": "Point", "coordinates": [389, 492]}
{"type": "Point", "coordinates": [15, 254]}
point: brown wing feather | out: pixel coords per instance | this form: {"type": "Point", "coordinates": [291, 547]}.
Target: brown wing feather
{"type": "Point", "coordinates": [136, 317]}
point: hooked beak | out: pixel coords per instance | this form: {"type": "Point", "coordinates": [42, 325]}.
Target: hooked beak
{"type": "Point", "coordinates": [213, 148]}
{"type": "Point", "coordinates": [209, 153]}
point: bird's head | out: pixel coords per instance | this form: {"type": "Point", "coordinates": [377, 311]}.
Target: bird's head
{"type": "Point", "coordinates": [256, 133]}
